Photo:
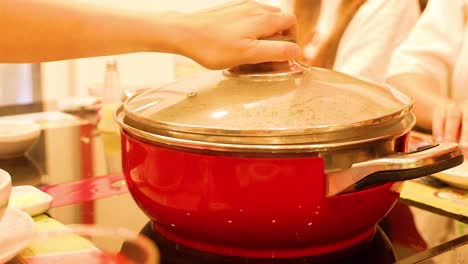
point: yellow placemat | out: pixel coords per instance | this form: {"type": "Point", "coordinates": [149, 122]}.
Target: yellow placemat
{"type": "Point", "coordinates": [430, 194]}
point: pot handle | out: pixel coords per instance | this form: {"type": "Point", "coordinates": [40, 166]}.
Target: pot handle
{"type": "Point", "coordinates": [402, 166]}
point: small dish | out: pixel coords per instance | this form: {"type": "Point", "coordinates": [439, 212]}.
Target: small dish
{"type": "Point", "coordinates": [16, 232]}
{"type": "Point", "coordinates": [457, 176]}
{"type": "Point", "coordinates": [47, 119]}
{"type": "Point", "coordinates": [17, 137]}
{"type": "Point", "coordinates": [30, 199]}
{"type": "Point", "coordinates": [77, 104]}
{"type": "Point", "coordinates": [5, 191]}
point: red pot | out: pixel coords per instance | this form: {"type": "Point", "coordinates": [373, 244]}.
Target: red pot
{"type": "Point", "coordinates": [272, 188]}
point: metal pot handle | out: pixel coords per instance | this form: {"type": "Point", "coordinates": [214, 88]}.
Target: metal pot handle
{"type": "Point", "coordinates": [399, 167]}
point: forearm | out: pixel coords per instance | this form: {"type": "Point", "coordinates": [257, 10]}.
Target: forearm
{"type": "Point", "coordinates": [46, 30]}
{"type": "Point", "coordinates": [217, 38]}
{"type": "Point", "coordinates": [424, 90]}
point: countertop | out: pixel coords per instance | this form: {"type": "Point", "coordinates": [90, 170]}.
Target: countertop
{"type": "Point", "coordinates": [79, 165]}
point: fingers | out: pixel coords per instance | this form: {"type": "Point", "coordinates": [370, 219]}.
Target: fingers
{"type": "Point", "coordinates": [452, 123]}
{"type": "Point", "coordinates": [291, 31]}
{"type": "Point", "coordinates": [447, 122]}
{"type": "Point", "coordinates": [278, 22]}
{"type": "Point", "coordinates": [244, 5]}
{"type": "Point", "coordinates": [464, 125]}
{"type": "Point", "coordinates": [249, 3]}
{"type": "Point", "coordinates": [438, 120]}
{"type": "Point", "coordinates": [236, 31]}
{"type": "Point", "coordinates": [271, 50]}
{"type": "Point", "coordinates": [269, 7]}
{"type": "Point", "coordinates": [274, 50]}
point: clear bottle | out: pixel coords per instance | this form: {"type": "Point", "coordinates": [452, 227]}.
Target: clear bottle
{"type": "Point", "coordinates": [112, 92]}
{"type": "Point", "coordinates": [111, 97]}
{"type": "Point", "coordinates": [109, 130]}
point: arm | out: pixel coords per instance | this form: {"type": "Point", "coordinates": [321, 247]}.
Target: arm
{"type": "Point", "coordinates": [47, 30]}
{"type": "Point", "coordinates": [445, 117]}
{"type": "Point", "coordinates": [423, 64]}
{"type": "Point", "coordinates": [425, 102]}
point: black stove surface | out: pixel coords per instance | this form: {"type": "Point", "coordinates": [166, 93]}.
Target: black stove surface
{"type": "Point", "coordinates": [377, 249]}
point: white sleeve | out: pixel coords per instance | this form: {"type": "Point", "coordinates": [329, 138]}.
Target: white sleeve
{"type": "Point", "coordinates": [434, 43]}
{"type": "Point", "coordinates": [376, 30]}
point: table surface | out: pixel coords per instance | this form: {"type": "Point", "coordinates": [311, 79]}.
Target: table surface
{"type": "Point", "coordinates": [79, 165]}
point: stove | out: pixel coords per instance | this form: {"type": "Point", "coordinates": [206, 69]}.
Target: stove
{"type": "Point", "coordinates": [377, 249]}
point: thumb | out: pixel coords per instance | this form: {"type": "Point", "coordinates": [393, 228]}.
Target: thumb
{"type": "Point", "coordinates": [274, 50]}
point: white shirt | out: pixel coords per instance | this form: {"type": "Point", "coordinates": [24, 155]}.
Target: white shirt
{"type": "Point", "coordinates": [377, 28]}
{"type": "Point", "coordinates": [438, 47]}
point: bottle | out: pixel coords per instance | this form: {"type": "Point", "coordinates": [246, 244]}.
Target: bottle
{"type": "Point", "coordinates": [112, 92]}
{"type": "Point", "coordinates": [111, 97]}
{"type": "Point", "coordinates": [108, 129]}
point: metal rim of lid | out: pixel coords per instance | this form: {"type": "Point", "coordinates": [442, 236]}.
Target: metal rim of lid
{"type": "Point", "coordinates": [265, 136]}
{"type": "Point", "coordinates": [397, 129]}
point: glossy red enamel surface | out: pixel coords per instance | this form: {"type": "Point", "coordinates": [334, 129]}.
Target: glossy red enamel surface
{"type": "Point", "coordinates": [248, 206]}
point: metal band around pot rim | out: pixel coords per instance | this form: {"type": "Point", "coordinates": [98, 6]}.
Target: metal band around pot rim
{"type": "Point", "coordinates": [207, 142]}
{"type": "Point", "coordinates": [319, 134]}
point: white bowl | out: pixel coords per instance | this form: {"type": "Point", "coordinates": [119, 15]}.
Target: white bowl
{"type": "Point", "coordinates": [456, 176]}
{"type": "Point", "coordinates": [17, 230]}
{"type": "Point", "coordinates": [5, 191]}
{"type": "Point", "coordinates": [17, 137]}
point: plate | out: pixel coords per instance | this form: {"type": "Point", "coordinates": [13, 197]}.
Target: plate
{"type": "Point", "coordinates": [456, 176]}
{"type": "Point", "coordinates": [5, 191]}
{"type": "Point", "coordinates": [17, 137]}
{"type": "Point", "coordinates": [47, 119]}
{"type": "Point", "coordinates": [16, 232]}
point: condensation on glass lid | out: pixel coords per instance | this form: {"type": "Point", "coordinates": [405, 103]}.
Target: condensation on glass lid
{"type": "Point", "coordinates": [242, 104]}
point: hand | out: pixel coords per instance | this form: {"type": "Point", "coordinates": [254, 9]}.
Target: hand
{"type": "Point", "coordinates": [450, 123]}
{"type": "Point", "coordinates": [220, 37]}
{"type": "Point", "coordinates": [230, 35]}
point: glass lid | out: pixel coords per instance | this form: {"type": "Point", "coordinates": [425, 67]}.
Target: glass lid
{"type": "Point", "coordinates": [296, 102]}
